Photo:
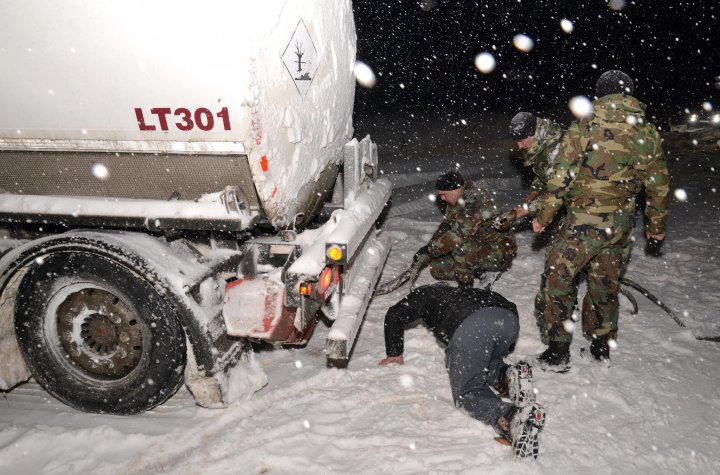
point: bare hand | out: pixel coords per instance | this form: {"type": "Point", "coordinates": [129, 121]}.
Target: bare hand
{"type": "Point", "coordinates": [392, 360]}
{"type": "Point", "coordinates": [659, 237]}
{"type": "Point", "coordinates": [520, 211]}
{"type": "Point", "coordinates": [537, 227]}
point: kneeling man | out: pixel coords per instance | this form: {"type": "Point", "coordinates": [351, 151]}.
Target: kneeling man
{"type": "Point", "coordinates": [479, 328]}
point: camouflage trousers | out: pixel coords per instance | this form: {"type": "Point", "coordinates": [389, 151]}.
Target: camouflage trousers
{"type": "Point", "coordinates": [570, 253]}
{"type": "Point", "coordinates": [474, 257]}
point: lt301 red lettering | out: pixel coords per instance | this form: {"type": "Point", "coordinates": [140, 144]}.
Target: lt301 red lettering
{"type": "Point", "coordinates": [181, 118]}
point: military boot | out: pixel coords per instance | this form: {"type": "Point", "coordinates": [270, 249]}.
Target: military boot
{"type": "Point", "coordinates": [555, 358]}
{"type": "Point", "coordinates": [600, 349]}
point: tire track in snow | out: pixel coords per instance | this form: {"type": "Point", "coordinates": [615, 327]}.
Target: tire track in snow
{"type": "Point", "coordinates": [243, 424]}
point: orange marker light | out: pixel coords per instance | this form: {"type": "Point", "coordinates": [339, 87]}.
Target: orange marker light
{"type": "Point", "coordinates": [325, 279]}
{"type": "Point", "coordinates": [305, 289]}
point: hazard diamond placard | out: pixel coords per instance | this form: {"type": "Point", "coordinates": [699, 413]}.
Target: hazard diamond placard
{"type": "Point", "coordinates": [301, 58]}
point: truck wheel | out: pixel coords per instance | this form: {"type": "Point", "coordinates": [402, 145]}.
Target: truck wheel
{"type": "Point", "coordinates": [97, 336]}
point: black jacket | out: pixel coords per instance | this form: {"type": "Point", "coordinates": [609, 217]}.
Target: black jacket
{"type": "Point", "coordinates": [442, 307]}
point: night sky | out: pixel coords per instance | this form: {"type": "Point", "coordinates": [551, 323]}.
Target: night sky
{"type": "Point", "coordinates": [422, 52]}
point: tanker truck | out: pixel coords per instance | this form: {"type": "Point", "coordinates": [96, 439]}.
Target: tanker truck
{"type": "Point", "coordinates": [178, 180]}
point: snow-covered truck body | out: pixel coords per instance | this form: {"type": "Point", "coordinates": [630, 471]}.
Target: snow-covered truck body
{"type": "Point", "coordinates": [164, 167]}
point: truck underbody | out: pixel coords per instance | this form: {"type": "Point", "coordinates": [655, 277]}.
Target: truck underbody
{"type": "Point", "coordinates": [112, 303]}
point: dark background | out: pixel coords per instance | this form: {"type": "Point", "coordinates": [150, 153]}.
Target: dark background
{"type": "Point", "coordinates": [669, 48]}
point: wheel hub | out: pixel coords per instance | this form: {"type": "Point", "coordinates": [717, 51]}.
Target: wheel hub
{"type": "Point", "coordinates": [100, 333]}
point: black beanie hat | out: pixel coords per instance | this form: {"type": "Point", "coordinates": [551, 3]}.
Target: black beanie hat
{"type": "Point", "coordinates": [450, 180]}
{"type": "Point", "coordinates": [523, 125]}
{"type": "Point", "coordinates": [614, 82]}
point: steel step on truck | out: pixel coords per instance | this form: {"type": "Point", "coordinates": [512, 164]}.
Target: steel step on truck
{"type": "Point", "coordinates": [178, 179]}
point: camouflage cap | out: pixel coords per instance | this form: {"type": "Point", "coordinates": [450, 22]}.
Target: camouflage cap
{"type": "Point", "coordinates": [450, 180]}
{"type": "Point", "coordinates": [523, 125]}
{"type": "Point", "coordinates": [614, 82]}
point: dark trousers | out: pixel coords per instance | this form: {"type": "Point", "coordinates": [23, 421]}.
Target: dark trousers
{"type": "Point", "coordinates": [475, 362]}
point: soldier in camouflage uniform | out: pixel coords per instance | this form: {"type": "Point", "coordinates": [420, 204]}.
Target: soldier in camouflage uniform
{"type": "Point", "coordinates": [466, 244]}
{"type": "Point", "coordinates": [540, 141]}
{"type": "Point", "coordinates": [603, 164]}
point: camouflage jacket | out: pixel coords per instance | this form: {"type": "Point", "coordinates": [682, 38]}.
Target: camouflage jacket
{"type": "Point", "coordinates": [470, 218]}
{"type": "Point", "coordinates": [602, 165]}
{"type": "Point", "coordinates": [544, 150]}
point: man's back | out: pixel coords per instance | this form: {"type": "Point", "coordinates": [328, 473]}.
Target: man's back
{"type": "Point", "coordinates": [604, 162]}
{"type": "Point", "coordinates": [442, 307]}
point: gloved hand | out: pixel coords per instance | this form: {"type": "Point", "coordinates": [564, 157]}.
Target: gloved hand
{"type": "Point", "coordinates": [503, 222]}
{"type": "Point", "coordinates": [421, 252]}
{"type": "Point", "coordinates": [653, 247]}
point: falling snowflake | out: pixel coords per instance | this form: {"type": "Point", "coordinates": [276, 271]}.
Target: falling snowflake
{"type": "Point", "coordinates": [427, 5]}
{"type": "Point", "coordinates": [485, 62]}
{"type": "Point", "coordinates": [407, 381]}
{"type": "Point", "coordinates": [100, 171]}
{"type": "Point", "coordinates": [680, 194]}
{"type": "Point", "coordinates": [581, 107]}
{"type": "Point", "coordinates": [364, 75]}
{"type": "Point", "coordinates": [566, 25]}
{"type": "Point", "coordinates": [616, 5]}
{"type": "Point", "coordinates": [523, 42]}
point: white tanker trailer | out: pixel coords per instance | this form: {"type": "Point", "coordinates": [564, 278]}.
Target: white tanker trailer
{"type": "Point", "coordinates": [165, 167]}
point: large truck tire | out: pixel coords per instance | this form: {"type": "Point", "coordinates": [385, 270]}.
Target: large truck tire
{"type": "Point", "coordinates": [97, 336]}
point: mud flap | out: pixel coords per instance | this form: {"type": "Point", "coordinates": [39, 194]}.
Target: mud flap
{"type": "Point", "coordinates": [241, 377]}
{"type": "Point", "coordinates": [13, 369]}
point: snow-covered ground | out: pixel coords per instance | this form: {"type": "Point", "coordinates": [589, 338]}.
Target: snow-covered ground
{"type": "Point", "coordinates": [656, 409]}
